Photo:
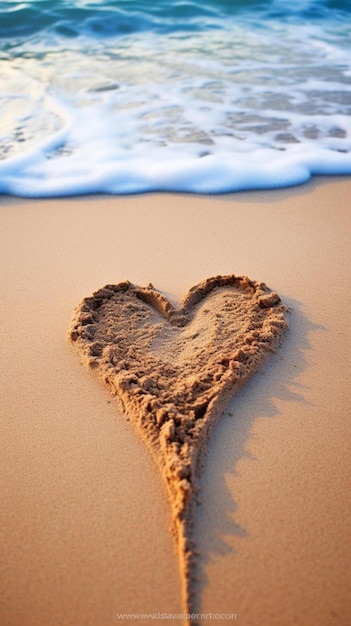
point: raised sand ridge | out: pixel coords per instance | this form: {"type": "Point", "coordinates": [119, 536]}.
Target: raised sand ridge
{"type": "Point", "coordinates": [174, 371]}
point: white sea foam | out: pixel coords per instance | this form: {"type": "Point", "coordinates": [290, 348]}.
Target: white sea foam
{"type": "Point", "coordinates": [242, 105]}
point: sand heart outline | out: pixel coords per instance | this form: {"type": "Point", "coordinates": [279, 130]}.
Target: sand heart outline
{"type": "Point", "coordinates": [174, 370]}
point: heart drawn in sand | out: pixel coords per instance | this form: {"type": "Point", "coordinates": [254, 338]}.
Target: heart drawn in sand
{"type": "Point", "coordinates": [174, 370]}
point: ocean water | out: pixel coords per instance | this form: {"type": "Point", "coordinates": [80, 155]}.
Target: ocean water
{"type": "Point", "coordinates": [205, 96]}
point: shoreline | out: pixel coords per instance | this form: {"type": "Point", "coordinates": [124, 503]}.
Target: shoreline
{"type": "Point", "coordinates": [86, 513]}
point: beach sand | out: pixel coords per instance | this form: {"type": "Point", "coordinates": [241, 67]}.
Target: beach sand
{"type": "Point", "coordinates": [84, 510]}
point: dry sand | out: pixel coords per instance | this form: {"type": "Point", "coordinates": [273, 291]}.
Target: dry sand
{"type": "Point", "coordinates": [84, 509]}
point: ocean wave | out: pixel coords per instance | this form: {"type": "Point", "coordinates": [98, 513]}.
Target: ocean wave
{"type": "Point", "coordinates": [70, 19]}
{"type": "Point", "coordinates": [36, 177]}
{"type": "Point", "coordinates": [210, 96]}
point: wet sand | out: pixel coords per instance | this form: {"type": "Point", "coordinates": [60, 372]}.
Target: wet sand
{"type": "Point", "coordinates": [86, 516]}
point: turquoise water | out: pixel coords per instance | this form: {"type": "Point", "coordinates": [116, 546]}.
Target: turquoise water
{"type": "Point", "coordinates": [210, 96]}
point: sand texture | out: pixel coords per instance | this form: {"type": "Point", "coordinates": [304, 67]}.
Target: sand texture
{"type": "Point", "coordinates": [174, 370]}
{"type": "Point", "coordinates": [85, 512]}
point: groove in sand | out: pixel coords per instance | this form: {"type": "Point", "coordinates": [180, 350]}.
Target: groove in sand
{"type": "Point", "coordinates": [175, 370]}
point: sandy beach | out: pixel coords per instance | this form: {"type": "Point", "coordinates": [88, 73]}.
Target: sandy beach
{"type": "Point", "coordinates": [85, 515]}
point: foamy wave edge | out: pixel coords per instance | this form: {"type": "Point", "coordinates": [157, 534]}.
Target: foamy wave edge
{"type": "Point", "coordinates": [259, 169]}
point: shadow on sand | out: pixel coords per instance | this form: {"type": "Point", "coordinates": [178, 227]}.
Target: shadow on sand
{"type": "Point", "coordinates": [277, 380]}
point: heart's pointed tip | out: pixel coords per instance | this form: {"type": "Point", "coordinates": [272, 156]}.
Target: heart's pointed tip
{"type": "Point", "coordinates": [190, 582]}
